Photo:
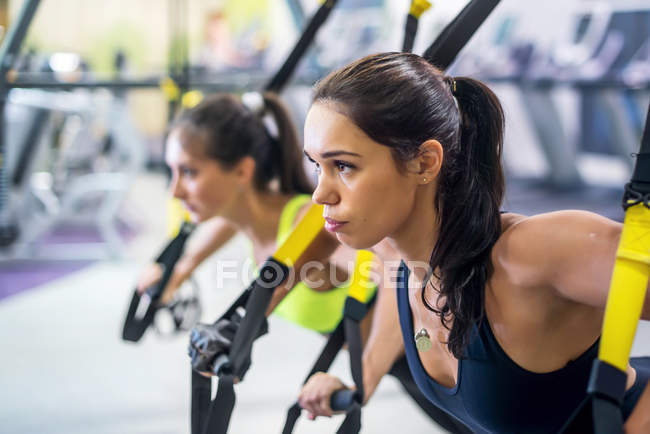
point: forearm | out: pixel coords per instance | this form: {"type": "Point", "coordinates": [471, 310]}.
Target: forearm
{"type": "Point", "coordinates": [384, 344]}
{"type": "Point", "coordinates": [639, 420]}
{"type": "Point", "coordinates": [213, 236]}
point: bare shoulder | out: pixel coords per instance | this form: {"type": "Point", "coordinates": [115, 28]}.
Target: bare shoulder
{"type": "Point", "coordinates": [528, 243]}
{"type": "Point", "coordinates": [555, 224]}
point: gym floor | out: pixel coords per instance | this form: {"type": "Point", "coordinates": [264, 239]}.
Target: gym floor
{"type": "Point", "coordinates": [64, 368]}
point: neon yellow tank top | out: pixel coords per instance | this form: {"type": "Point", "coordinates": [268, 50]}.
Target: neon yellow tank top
{"type": "Point", "coordinates": [316, 310]}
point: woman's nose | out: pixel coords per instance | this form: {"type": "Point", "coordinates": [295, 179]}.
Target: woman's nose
{"type": "Point", "coordinates": [176, 188]}
{"type": "Point", "coordinates": [325, 193]}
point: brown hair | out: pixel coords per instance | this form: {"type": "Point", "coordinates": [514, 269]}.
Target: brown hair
{"type": "Point", "coordinates": [231, 131]}
{"type": "Point", "coordinates": [400, 100]}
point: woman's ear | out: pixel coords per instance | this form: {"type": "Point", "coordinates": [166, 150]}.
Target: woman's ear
{"type": "Point", "coordinates": [245, 170]}
{"type": "Point", "coordinates": [425, 166]}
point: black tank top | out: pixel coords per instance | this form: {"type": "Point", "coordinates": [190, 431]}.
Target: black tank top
{"type": "Point", "coordinates": [495, 395]}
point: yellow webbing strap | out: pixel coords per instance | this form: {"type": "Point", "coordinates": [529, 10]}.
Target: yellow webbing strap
{"type": "Point", "coordinates": [627, 289]}
{"type": "Point", "coordinates": [418, 7]}
{"type": "Point", "coordinates": [191, 98]}
{"type": "Point", "coordinates": [301, 236]}
{"type": "Point", "coordinates": [170, 89]}
{"type": "Point", "coordinates": [176, 215]}
{"type": "Point", "coordinates": [361, 287]}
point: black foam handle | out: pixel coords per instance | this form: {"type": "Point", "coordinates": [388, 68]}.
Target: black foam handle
{"type": "Point", "coordinates": [343, 400]}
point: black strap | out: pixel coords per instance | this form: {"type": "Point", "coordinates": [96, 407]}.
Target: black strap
{"type": "Point", "coordinates": [218, 417]}
{"type": "Point", "coordinates": [28, 146]}
{"type": "Point", "coordinates": [272, 273]}
{"type": "Point", "coordinates": [281, 78]}
{"type": "Point", "coordinates": [134, 328]}
{"type": "Point", "coordinates": [455, 35]}
{"type": "Point", "coordinates": [354, 312]}
{"type": "Point", "coordinates": [640, 181]}
{"type": "Point", "coordinates": [202, 386]}
{"type": "Point", "coordinates": [645, 140]}
{"type": "Point", "coordinates": [200, 401]}
{"type": "Point", "coordinates": [348, 330]}
{"type": "Point", "coordinates": [322, 364]}
{"type": "Point", "coordinates": [410, 30]}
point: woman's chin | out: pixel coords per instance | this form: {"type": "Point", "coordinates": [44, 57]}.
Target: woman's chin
{"type": "Point", "coordinates": [352, 241]}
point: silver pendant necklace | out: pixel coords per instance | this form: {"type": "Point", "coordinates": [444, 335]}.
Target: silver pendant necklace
{"type": "Point", "coordinates": [422, 340]}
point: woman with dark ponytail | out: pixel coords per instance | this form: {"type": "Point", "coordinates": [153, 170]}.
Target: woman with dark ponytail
{"type": "Point", "coordinates": [500, 314]}
{"type": "Point", "coordinates": [237, 165]}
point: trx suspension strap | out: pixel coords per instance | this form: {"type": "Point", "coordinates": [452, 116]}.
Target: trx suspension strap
{"type": "Point", "coordinates": [143, 307]}
{"type": "Point", "coordinates": [600, 412]}
{"type": "Point", "coordinates": [455, 35]}
{"type": "Point", "coordinates": [135, 323]}
{"type": "Point", "coordinates": [274, 271]}
{"type": "Point", "coordinates": [281, 78]}
{"type": "Point", "coordinates": [348, 330]}
{"type": "Point", "coordinates": [418, 7]}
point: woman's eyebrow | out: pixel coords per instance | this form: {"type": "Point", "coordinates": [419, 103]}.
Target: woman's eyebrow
{"type": "Point", "coordinates": [330, 154]}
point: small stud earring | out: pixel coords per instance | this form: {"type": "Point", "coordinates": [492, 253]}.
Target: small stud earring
{"type": "Point", "coordinates": [424, 179]}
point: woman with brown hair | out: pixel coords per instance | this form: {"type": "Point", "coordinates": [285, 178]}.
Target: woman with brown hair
{"type": "Point", "coordinates": [500, 314]}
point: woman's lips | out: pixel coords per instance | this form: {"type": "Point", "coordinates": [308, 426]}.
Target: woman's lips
{"type": "Point", "coordinates": [332, 225]}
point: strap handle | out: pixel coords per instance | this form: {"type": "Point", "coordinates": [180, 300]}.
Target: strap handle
{"type": "Point", "coordinates": [272, 273]}
{"type": "Point", "coordinates": [348, 330]}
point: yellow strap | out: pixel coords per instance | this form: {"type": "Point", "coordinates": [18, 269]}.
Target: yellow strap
{"type": "Point", "coordinates": [418, 7]}
{"type": "Point", "coordinates": [627, 289]}
{"type": "Point", "coordinates": [191, 98]}
{"type": "Point", "coordinates": [170, 88]}
{"type": "Point", "coordinates": [176, 215]}
{"type": "Point", "coordinates": [301, 236]}
{"type": "Point", "coordinates": [288, 216]}
{"type": "Point", "coordinates": [361, 287]}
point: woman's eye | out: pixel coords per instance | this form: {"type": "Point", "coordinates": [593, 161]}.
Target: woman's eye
{"type": "Point", "coordinates": [316, 166]}
{"type": "Point", "coordinates": [343, 167]}
{"type": "Point", "coordinates": [188, 172]}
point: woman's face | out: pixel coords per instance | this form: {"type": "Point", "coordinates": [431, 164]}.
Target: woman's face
{"type": "Point", "coordinates": [366, 197]}
{"type": "Point", "coordinates": [204, 187]}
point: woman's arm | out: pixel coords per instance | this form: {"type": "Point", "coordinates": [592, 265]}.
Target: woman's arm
{"type": "Point", "coordinates": [571, 252]}
{"type": "Point", "coordinates": [383, 347]}
{"type": "Point", "coordinates": [212, 235]}
{"type": "Point", "coordinates": [639, 420]}
{"type": "Point", "coordinates": [576, 254]}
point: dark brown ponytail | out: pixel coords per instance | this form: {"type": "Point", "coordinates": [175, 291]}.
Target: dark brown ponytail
{"type": "Point", "coordinates": [470, 191]}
